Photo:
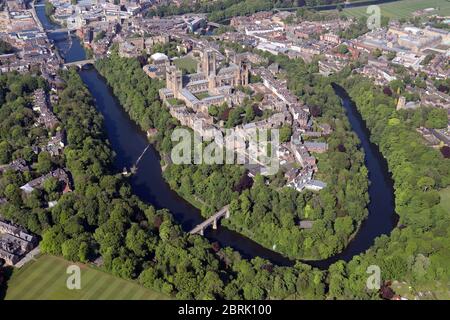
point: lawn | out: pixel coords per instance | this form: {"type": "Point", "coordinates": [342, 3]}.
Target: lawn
{"type": "Point", "coordinates": [403, 8]}
{"type": "Point", "coordinates": [445, 199]}
{"type": "Point", "coordinates": [187, 64]}
{"type": "Point", "coordinates": [45, 279]}
{"type": "Point", "coordinates": [202, 95]}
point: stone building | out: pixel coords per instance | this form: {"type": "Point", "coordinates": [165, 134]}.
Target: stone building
{"type": "Point", "coordinates": [14, 242]}
{"type": "Point", "coordinates": [213, 84]}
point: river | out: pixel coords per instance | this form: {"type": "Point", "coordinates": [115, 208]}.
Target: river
{"type": "Point", "coordinates": [128, 141]}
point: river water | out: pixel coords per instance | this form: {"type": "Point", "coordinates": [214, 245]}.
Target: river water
{"type": "Point", "coordinates": [128, 141]}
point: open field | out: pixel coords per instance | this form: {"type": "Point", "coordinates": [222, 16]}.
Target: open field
{"type": "Point", "coordinates": [187, 64]}
{"type": "Point", "coordinates": [404, 8]}
{"type": "Point", "coordinates": [45, 279]}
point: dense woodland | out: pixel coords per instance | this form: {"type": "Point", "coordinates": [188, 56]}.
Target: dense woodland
{"type": "Point", "coordinates": [225, 9]}
{"type": "Point", "coordinates": [17, 136]}
{"type": "Point", "coordinates": [102, 217]}
{"type": "Point", "coordinates": [419, 251]}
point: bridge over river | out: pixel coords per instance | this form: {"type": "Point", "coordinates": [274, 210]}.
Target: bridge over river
{"type": "Point", "coordinates": [200, 228]}
{"type": "Point", "coordinates": [80, 63]}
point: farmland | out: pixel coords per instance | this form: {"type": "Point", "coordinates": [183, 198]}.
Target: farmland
{"type": "Point", "coordinates": [46, 278]}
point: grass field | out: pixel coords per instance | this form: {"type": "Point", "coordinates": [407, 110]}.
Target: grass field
{"type": "Point", "coordinates": [404, 8]}
{"type": "Point", "coordinates": [187, 64]}
{"type": "Point", "coordinates": [45, 279]}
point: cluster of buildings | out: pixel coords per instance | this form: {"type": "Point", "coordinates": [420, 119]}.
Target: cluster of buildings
{"type": "Point", "coordinates": [219, 79]}
{"type": "Point", "coordinates": [42, 107]}
{"type": "Point", "coordinates": [268, 31]}
{"type": "Point", "coordinates": [16, 165]}
{"type": "Point", "coordinates": [96, 22]}
{"type": "Point", "coordinates": [80, 13]}
{"type": "Point", "coordinates": [20, 28]}
{"type": "Point", "coordinates": [410, 45]}
{"type": "Point", "coordinates": [53, 145]}
{"type": "Point", "coordinates": [423, 50]}
{"type": "Point", "coordinates": [15, 242]}
{"type": "Point", "coordinates": [59, 174]}
{"type": "Point", "coordinates": [435, 137]}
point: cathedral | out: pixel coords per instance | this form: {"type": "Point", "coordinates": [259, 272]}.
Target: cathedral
{"type": "Point", "coordinates": [215, 82]}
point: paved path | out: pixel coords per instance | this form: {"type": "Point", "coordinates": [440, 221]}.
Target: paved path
{"type": "Point", "coordinates": [28, 257]}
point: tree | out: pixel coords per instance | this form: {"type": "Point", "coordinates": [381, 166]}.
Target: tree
{"type": "Point", "coordinates": [13, 194]}
{"type": "Point", "coordinates": [147, 277]}
{"type": "Point", "coordinates": [70, 249]}
{"type": "Point", "coordinates": [391, 55]}
{"type": "Point", "coordinates": [285, 133]}
{"type": "Point", "coordinates": [5, 47]}
{"type": "Point", "coordinates": [425, 183]}
{"type": "Point", "coordinates": [343, 49]}
{"type": "Point", "coordinates": [49, 8]}
{"type": "Point", "coordinates": [51, 185]}
{"type": "Point", "coordinates": [5, 152]}
{"type": "Point", "coordinates": [445, 150]}
{"type": "Point", "coordinates": [52, 241]}
{"type": "Point", "coordinates": [44, 164]}
{"type": "Point", "coordinates": [343, 226]}
{"type": "Point", "coordinates": [397, 86]}
{"type": "Point", "coordinates": [100, 36]}
{"type": "Point", "coordinates": [437, 118]}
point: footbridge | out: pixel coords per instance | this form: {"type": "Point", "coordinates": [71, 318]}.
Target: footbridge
{"type": "Point", "coordinates": [59, 30]}
{"type": "Point", "coordinates": [200, 228]}
{"type": "Point", "coordinates": [80, 63]}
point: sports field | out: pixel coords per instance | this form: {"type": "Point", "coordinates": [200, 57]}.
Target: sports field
{"type": "Point", "coordinates": [45, 279]}
{"type": "Point", "coordinates": [404, 8]}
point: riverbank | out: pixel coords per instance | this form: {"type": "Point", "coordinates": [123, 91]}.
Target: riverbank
{"type": "Point", "coordinates": [420, 174]}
